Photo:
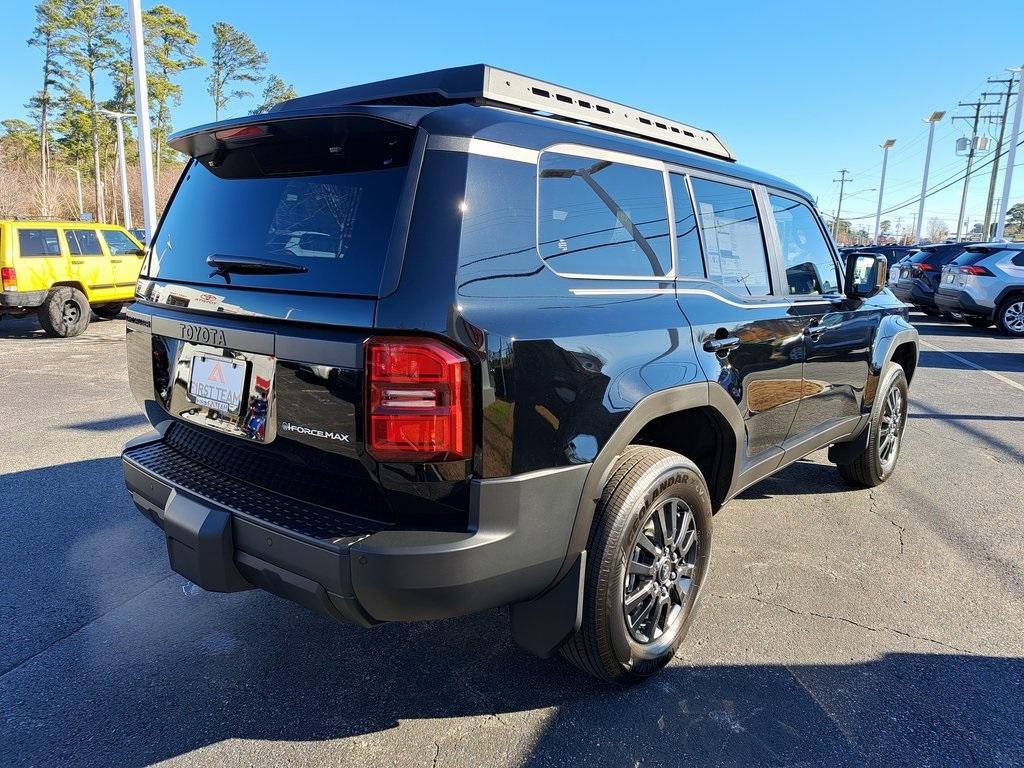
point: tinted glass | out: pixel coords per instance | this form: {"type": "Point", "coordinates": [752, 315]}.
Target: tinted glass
{"type": "Point", "coordinates": [119, 242]}
{"type": "Point", "coordinates": [942, 254]}
{"type": "Point", "coordinates": [317, 194]}
{"type": "Point", "coordinates": [733, 242]}
{"type": "Point", "coordinates": [83, 242]}
{"type": "Point", "coordinates": [602, 218]}
{"type": "Point", "coordinates": [967, 258]}
{"type": "Point", "coordinates": [1018, 260]}
{"type": "Point", "coordinates": [688, 257]}
{"type": "Point", "coordinates": [810, 269]}
{"type": "Point", "coordinates": [38, 242]}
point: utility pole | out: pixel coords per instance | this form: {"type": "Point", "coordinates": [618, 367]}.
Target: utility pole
{"type": "Point", "coordinates": [886, 146]}
{"type": "Point", "coordinates": [970, 156]}
{"type": "Point", "coordinates": [936, 117]}
{"type": "Point", "coordinates": [1011, 155]}
{"type": "Point", "coordinates": [990, 199]}
{"type": "Point", "coordinates": [839, 209]}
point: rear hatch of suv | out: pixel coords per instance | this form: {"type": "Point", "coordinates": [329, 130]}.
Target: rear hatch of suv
{"type": "Point", "coordinates": [258, 296]}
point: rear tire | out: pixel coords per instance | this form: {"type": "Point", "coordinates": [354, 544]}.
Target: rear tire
{"type": "Point", "coordinates": [978, 322]}
{"type": "Point", "coordinates": [877, 461]}
{"type": "Point", "coordinates": [956, 317]}
{"type": "Point", "coordinates": [1010, 316]}
{"type": "Point", "coordinates": [65, 313]}
{"type": "Point", "coordinates": [648, 554]}
{"type": "Point", "coordinates": [108, 311]}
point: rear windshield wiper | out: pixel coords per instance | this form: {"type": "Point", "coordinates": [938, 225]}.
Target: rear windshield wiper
{"type": "Point", "coordinates": [225, 266]}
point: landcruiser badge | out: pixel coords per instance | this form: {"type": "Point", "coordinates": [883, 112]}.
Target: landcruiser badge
{"type": "Point", "coordinates": [287, 426]}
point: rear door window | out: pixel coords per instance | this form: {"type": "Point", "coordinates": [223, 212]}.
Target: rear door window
{"type": "Point", "coordinates": [317, 194]}
{"type": "Point", "coordinates": [810, 269]}
{"type": "Point", "coordinates": [689, 262]}
{"type": "Point", "coordinates": [38, 242]}
{"type": "Point", "coordinates": [602, 218]}
{"type": "Point", "coordinates": [83, 242]}
{"type": "Point", "coordinates": [733, 240]}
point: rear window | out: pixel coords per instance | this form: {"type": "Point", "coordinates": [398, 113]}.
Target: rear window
{"type": "Point", "coordinates": [83, 242]}
{"type": "Point", "coordinates": [317, 193]}
{"type": "Point", "coordinates": [967, 258]}
{"type": "Point", "coordinates": [38, 242]}
{"type": "Point", "coordinates": [940, 255]}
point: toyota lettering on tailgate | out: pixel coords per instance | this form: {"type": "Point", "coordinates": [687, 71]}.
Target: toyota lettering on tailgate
{"type": "Point", "coordinates": [203, 335]}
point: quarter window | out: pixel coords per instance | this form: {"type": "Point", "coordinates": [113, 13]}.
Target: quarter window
{"type": "Point", "coordinates": [602, 218]}
{"type": "Point", "coordinates": [733, 243]}
{"type": "Point", "coordinates": [810, 270]}
{"type": "Point", "coordinates": [119, 243]}
{"type": "Point", "coordinates": [688, 258]}
{"type": "Point", "coordinates": [83, 242]}
{"type": "Point", "coordinates": [38, 242]}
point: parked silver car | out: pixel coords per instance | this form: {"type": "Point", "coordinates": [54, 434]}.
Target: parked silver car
{"type": "Point", "coordinates": [986, 283]}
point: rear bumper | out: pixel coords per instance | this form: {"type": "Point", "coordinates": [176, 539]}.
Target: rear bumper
{"type": "Point", "coordinates": [20, 299]}
{"type": "Point", "coordinates": [960, 301]}
{"type": "Point", "coordinates": [225, 537]}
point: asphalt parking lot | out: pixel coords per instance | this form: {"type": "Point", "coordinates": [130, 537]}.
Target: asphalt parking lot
{"type": "Point", "coordinates": [839, 627]}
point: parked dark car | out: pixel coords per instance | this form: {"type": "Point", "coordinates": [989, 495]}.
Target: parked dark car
{"type": "Point", "coordinates": [542, 337]}
{"type": "Point", "coordinates": [919, 276]}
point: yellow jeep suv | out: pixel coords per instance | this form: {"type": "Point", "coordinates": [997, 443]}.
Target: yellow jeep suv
{"type": "Point", "coordinates": [61, 270]}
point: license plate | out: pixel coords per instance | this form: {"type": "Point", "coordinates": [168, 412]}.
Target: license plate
{"type": "Point", "coordinates": [950, 277]}
{"type": "Point", "coordinates": [217, 383]}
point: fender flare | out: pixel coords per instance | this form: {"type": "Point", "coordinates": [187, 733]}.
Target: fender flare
{"type": "Point", "coordinates": [894, 331]}
{"type": "Point", "coordinates": [700, 394]}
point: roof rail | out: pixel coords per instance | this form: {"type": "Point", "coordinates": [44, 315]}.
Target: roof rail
{"type": "Point", "coordinates": [484, 84]}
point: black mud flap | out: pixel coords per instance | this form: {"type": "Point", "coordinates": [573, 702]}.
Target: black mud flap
{"type": "Point", "coordinates": [200, 545]}
{"type": "Point", "coordinates": [540, 626]}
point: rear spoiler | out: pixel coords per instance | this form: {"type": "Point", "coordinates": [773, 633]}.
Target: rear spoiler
{"type": "Point", "coordinates": [201, 140]}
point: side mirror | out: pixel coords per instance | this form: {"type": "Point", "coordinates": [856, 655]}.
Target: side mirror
{"type": "Point", "coordinates": [866, 274]}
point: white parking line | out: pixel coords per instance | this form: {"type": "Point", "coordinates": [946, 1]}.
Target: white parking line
{"type": "Point", "coordinates": [975, 366]}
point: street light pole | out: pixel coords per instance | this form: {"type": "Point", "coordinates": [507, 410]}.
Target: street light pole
{"type": "Point", "coordinates": [142, 113]}
{"type": "Point", "coordinates": [886, 146]}
{"type": "Point", "coordinates": [839, 208]}
{"type": "Point", "coordinates": [936, 116]}
{"type": "Point", "coordinates": [1011, 155]}
{"type": "Point", "coordinates": [126, 205]}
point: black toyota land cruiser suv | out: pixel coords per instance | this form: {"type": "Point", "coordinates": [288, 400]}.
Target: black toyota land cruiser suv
{"type": "Point", "coordinates": [466, 339]}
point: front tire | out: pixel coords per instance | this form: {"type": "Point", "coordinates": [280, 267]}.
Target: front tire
{"type": "Point", "coordinates": [1010, 316]}
{"type": "Point", "coordinates": [65, 313]}
{"type": "Point", "coordinates": [877, 461]}
{"type": "Point", "coordinates": [648, 554]}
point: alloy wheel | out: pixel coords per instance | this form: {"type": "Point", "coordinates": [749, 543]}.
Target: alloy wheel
{"type": "Point", "coordinates": [1013, 316]}
{"type": "Point", "coordinates": [890, 430]}
{"type": "Point", "coordinates": [660, 572]}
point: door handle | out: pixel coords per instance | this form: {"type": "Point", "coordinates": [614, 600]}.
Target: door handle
{"type": "Point", "coordinates": [77, 261]}
{"type": "Point", "coordinates": [719, 346]}
{"type": "Point", "coordinates": [814, 330]}
{"type": "Point", "coordinates": [115, 261]}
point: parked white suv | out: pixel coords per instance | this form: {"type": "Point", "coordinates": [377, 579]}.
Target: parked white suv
{"type": "Point", "coordinates": [986, 284]}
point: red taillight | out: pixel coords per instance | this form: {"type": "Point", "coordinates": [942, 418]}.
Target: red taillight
{"type": "Point", "coordinates": [245, 132]}
{"type": "Point", "coordinates": [417, 401]}
{"type": "Point", "coordinates": [922, 267]}
{"type": "Point", "coordinates": [8, 278]}
{"type": "Point", "coordinates": [972, 270]}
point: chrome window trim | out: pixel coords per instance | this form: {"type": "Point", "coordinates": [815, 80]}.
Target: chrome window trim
{"type": "Point", "coordinates": [483, 148]}
{"type": "Point", "coordinates": [579, 150]}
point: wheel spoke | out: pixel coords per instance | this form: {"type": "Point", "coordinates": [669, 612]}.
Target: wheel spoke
{"type": "Point", "coordinates": [647, 545]}
{"type": "Point", "coordinates": [688, 539]}
{"type": "Point", "coordinates": [640, 569]}
{"type": "Point", "coordinates": [646, 589]}
{"type": "Point", "coordinates": [661, 528]}
{"type": "Point", "coordinates": [681, 587]}
{"type": "Point", "coordinates": [684, 527]}
{"type": "Point", "coordinates": [645, 609]}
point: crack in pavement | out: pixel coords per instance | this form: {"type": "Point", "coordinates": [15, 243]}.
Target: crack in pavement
{"type": "Point", "coordinates": [844, 619]}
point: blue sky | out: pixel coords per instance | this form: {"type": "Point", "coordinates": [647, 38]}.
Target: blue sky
{"type": "Point", "coordinates": [798, 89]}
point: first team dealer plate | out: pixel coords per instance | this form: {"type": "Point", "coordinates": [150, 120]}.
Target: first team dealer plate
{"type": "Point", "coordinates": [217, 382]}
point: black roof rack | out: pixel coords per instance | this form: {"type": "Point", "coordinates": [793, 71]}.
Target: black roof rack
{"type": "Point", "coordinates": [484, 84]}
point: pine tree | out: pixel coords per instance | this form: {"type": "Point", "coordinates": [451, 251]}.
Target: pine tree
{"type": "Point", "coordinates": [277, 90]}
{"type": "Point", "coordinates": [236, 59]}
{"type": "Point", "coordinates": [48, 35]}
{"type": "Point", "coordinates": [170, 50]}
{"type": "Point", "coordinates": [94, 44]}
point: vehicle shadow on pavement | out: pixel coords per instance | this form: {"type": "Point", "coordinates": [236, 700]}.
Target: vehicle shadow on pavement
{"type": "Point", "coordinates": [801, 478]}
{"type": "Point", "coordinates": [109, 661]}
{"type": "Point", "coordinates": [1000, 362]}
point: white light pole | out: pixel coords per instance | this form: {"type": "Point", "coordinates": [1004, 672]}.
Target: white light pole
{"type": "Point", "coordinates": [936, 116]}
{"type": "Point", "coordinates": [78, 180]}
{"type": "Point", "coordinates": [886, 146]}
{"type": "Point", "coordinates": [1011, 155]}
{"type": "Point", "coordinates": [142, 114]}
{"type": "Point", "coordinates": [126, 205]}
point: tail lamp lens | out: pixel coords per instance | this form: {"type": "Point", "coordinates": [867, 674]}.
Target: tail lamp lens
{"type": "Point", "coordinates": [418, 405]}
{"type": "Point", "coordinates": [973, 270]}
{"type": "Point", "coordinates": [8, 278]}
